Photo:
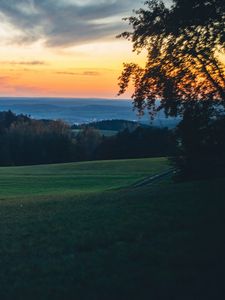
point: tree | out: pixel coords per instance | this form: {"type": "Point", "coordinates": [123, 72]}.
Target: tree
{"type": "Point", "coordinates": [184, 43]}
{"type": "Point", "coordinates": [185, 70]}
{"type": "Point", "coordinates": [88, 140]}
{"type": "Point", "coordinates": [200, 143]}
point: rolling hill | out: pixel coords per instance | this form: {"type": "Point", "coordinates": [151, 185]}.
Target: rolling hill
{"type": "Point", "coordinates": [68, 232]}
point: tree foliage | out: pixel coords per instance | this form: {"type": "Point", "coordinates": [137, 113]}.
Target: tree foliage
{"type": "Point", "coordinates": [185, 43]}
{"type": "Point", "coordinates": [201, 143]}
{"type": "Point", "coordinates": [138, 143]}
{"type": "Point", "coordinates": [25, 141]}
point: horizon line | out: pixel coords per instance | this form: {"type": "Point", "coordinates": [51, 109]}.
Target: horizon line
{"type": "Point", "coordinates": [52, 97]}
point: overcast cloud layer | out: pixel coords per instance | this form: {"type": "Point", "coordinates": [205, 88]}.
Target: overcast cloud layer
{"type": "Point", "coordinates": [62, 23]}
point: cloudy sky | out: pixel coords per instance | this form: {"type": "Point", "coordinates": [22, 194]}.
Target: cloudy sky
{"type": "Point", "coordinates": [63, 47]}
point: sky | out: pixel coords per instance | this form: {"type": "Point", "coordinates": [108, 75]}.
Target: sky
{"type": "Point", "coordinates": [64, 48]}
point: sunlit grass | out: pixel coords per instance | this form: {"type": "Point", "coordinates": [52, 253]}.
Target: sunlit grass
{"type": "Point", "coordinates": [76, 178]}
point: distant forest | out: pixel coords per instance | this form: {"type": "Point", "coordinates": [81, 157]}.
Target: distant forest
{"type": "Point", "coordinates": [114, 125]}
{"type": "Point", "coordinates": [25, 141]}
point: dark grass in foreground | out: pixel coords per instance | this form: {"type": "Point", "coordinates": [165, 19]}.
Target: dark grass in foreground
{"type": "Point", "coordinates": [160, 242]}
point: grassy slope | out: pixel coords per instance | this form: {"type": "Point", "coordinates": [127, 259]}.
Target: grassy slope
{"type": "Point", "coordinates": [160, 242]}
{"type": "Point", "coordinates": [76, 178]}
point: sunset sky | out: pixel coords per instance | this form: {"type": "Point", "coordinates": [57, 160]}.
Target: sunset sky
{"type": "Point", "coordinates": [64, 48]}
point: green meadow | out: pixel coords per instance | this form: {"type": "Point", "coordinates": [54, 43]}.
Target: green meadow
{"type": "Point", "coordinates": [80, 231]}
{"type": "Point", "coordinates": [76, 178]}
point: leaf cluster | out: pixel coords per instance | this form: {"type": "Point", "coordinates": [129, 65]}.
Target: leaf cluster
{"type": "Point", "coordinates": [185, 47]}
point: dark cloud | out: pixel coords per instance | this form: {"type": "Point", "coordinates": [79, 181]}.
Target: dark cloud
{"type": "Point", "coordinates": [85, 73]}
{"type": "Point", "coordinates": [91, 73]}
{"type": "Point", "coordinates": [66, 22]}
{"type": "Point", "coordinates": [25, 63]}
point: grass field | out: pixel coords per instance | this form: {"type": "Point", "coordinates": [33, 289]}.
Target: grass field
{"type": "Point", "coordinates": [165, 241]}
{"type": "Point", "coordinates": [76, 178]}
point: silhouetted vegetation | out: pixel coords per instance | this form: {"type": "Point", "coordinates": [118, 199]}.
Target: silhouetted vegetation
{"type": "Point", "coordinates": [201, 143]}
{"type": "Point", "coordinates": [25, 141]}
{"type": "Point", "coordinates": [183, 63]}
{"type": "Point", "coordinates": [184, 69]}
{"type": "Point", "coordinates": [115, 125]}
{"type": "Point", "coordinates": [141, 142]}
{"type": "Point", "coordinates": [88, 140]}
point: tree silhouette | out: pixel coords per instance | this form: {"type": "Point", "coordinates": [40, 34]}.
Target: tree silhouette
{"type": "Point", "coordinates": [185, 55]}
{"type": "Point", "coordinates": [185, 70]}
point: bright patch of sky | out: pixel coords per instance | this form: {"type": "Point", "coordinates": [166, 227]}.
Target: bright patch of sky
{"type": "Point", "coordinates": [63, 47]}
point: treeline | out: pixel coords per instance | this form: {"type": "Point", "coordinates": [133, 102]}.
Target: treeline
{"type": "Point", "coordinates": [25, 141]}
{"type": "Point", "coordinates": [139, 143]}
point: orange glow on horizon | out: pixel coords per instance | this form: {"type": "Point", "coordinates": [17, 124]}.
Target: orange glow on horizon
{"type": "Point", "coordinates": [83, 71]}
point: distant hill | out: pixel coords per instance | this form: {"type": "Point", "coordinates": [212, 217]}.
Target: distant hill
{"type": "Point", "coordinates": [114, 125]}
{"type": "Point", "coordinates": [79, 111]}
